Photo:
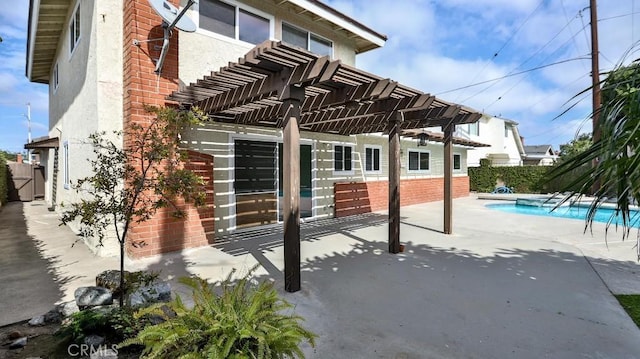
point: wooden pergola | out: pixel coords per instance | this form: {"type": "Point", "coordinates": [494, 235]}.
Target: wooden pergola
{"type": "Point", "coordinates": [282, 86]}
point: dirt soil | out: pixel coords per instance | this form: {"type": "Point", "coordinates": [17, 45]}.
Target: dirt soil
{"type": "Point", "coordinates": [41, 343]}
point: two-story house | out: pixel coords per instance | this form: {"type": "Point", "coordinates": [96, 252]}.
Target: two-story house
{"type": "Point", "coordinates": [505, 143]}
{"type": "Point", "coordinates": [99, 59]}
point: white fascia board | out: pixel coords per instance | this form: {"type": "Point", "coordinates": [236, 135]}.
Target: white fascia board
{"type": "Point", "coordinates": [517, 139]}
{"type": "Point", "coordinates": [340, 22]}
{"type": "Point", "coordinates": [32, 31]}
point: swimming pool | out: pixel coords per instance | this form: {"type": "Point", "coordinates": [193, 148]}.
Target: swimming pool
{"type": "Point", "coordinates": [574, 212]}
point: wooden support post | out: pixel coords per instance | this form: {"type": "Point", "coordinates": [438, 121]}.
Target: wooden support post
{"type": "Point", "coordinates": [291, 186]}
{"type": "Point", "coordinates": [448, 177]}
{"type": "Point", "coordinates": [394, 184]}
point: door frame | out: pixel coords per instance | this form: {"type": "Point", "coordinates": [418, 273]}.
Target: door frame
{"type": "Point", "coordinates": [277, 140]}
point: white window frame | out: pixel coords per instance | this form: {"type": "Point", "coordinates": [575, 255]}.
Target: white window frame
{"type": "Point", "coordinates": [506, 131]}
{"type": "Point", "coordinates": [454, 162]}
{"type": "Point", "coordinates": [409, 170]}
{"type": "Point", "coordinates": [55, 77]}
{"type": "Point", "coordinates": [373, 148]}
{"type": "Point", "coordinates": [237, 7]}
{"type": "Point", "coordinates": [65, 168]}
{"type": "Point", "coordinates": [476, 126]}
{"type": "Point", "coordinates": [309, 33]}
{"type": "Point", "coordinates": [73, 45]}
{"type": "Point", "coordinates": [333, 159]}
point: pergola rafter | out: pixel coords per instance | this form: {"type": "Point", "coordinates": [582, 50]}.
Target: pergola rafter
{"type": "Point", "coordinates": [282, 86]}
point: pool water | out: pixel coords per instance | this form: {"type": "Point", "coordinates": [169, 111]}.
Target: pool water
{"type": "Point", "coordinates": [574, 212]}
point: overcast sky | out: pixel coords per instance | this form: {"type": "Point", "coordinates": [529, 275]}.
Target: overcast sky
{"type": "Point", "coordinates": [436, 46]}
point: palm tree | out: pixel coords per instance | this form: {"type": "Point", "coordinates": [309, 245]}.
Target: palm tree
{"type": "Point", "coordinates": [609, 169]}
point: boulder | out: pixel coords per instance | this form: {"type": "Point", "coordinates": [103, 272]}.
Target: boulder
{"type": "Point", "coordinates": [104, 354]}
{"type": "Point", "coordinates": [14, 335]}
{"type": "Point", "coordinates": [38, 320]}
{"type": "Point", "coordinates": [68, 308]}
{"type": "Point", "coordinates": [94, 341]}
{"type": "Point", "coordinates": [52, 317]}
{"type": "Point", "coordinates": [18, 343]}
{"type": "Point", "coordinates": [145, 295]}
{"type": "Point", "coordinates": [110, 279]}
{"type": "Point", "coordinates": [93, 296]}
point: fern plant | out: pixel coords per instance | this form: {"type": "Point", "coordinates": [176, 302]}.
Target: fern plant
{"type": "Point", "coordinates": [245, 320]}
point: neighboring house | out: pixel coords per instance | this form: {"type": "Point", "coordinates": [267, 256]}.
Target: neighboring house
{"type": "Point", "coordinates": [98, 59]}
{"type": "Point", "coordinates": [502, 136]}
{"type": "Point", "coordinates": [539, 155]}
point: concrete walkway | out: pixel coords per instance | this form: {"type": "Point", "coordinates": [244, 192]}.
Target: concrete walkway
{"type": "Point", "coordinates": [39, 264]}
{"type": "Point", "coordinates": [503, 285]}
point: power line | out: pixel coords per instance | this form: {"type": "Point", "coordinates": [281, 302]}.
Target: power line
{"type": "Point", "coordinates": [543, 60]}
{"type": "Point", "coordinates": [506, 42]}
{"type": "Point", "coordinates": [515, 74]}
{"type": "Point", "coordinates": [523, 63]}
{"type": "Point", "coordinates": [633, 12]}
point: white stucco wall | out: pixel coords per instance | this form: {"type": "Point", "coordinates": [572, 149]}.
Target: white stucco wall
{"type": "Point", "coordinates": [492, 132]}
{"type": "Point", "coordinates": [89, 95]}
{"type": "Point", "coordinates": [201, 52]}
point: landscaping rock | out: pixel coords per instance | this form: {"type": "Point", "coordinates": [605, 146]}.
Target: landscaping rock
{"type": "Point", "coordinates": [110, 279]}
{"type": "Point", "coordinates": [68, 308]}
{"type": "Point", "coordinates": [104, 354]}
{"type": "Point", "coordinates": [94, 341]}
{"type": "Point", "coordinates": [18, 343]}
{"type": "Point", "coordinates": [145, 295]}
{"type": "Point", "coordinates": [105, 309]}
{"type": "Point", "coordinates": [14, 335]}
{"type": "Point", "coordinates": [53, 317]}
{"type": "Point", "coordinates": [37, 321]}
{"type": "Point", "coordinates": [93, 296]}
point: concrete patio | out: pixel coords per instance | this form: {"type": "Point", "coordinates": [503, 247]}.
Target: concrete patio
{"type": "Point", "coordinates": [503, 285]}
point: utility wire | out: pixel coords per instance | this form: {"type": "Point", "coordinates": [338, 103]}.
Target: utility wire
{"type": "Point", "coordinates": [585, 57]}
{"type": "Point", "coordinates": [505, 44]}
{"type": "Point", "coordinates": [522, 64]}
{"type": "Point", "coordinates": [633, 12]}
{"type": "Point", "coordinates": [575, 43]}
{"type": "Point", "coordinates": [562, 46]}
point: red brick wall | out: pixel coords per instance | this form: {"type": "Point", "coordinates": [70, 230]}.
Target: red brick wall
{"type": "Point", "coordinates": [363, 197]}
{"type": "Point", "coordinates": [142, 85]}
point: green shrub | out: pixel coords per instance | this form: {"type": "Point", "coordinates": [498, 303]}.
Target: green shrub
{"type": "Point", "coordinates": [523, 179]}
{"type": "Point", "coordinates": [244, 321]}
{"type": "Point", "coordinates": [115, 325]}
{"type": "Point", "coordinates": [3, 180]}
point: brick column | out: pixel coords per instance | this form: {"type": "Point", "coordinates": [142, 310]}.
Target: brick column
{"type": "Point", "coordinates": [142, 85]}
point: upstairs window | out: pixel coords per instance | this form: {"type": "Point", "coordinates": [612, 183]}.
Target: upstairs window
{"type": "Point", "coordinates": [506, 130]}
{"type": "Point", "coordinates": [74, 29]}
{"type": "Point", "coordinates": [419, 161]}
{"type": "Point", "coordinates": [55, 77]}
{"type": "Point", "coordinates": [457, 162]}
{"type": "Point", "coordinates": [372, 159]}
{"type": "Point", "coordinates": [342, 158]}
{"type": "Point", "coordinates": [232, 21]}
{"type": "Point", "coordinates": [65, 169]}
{"type": "Point", "coordinates": [474, 128]}
{"type": "Point", "coordinates": [306, 40]}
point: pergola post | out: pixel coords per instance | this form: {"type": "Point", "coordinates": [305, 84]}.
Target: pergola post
{"type": "Point", "coordinates": [448, 177]}
{"type": "Point", "coordinates": [394, 183]}
{"type": "Point", "coordinates": [292, 98]}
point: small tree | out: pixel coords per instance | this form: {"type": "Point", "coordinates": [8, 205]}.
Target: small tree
{"type": "Point", "coordinates": [576, 146]}
{"type": "Point", "coordinates": [130, 183]}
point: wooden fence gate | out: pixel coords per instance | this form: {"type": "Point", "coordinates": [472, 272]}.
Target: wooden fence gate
{"type": "Point", "coordinates": [26, 182]}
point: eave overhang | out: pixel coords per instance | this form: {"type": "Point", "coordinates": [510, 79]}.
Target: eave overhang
{"type": "Point", "coordinates": [47, 20]}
